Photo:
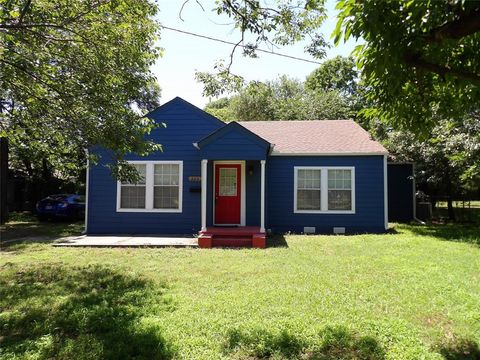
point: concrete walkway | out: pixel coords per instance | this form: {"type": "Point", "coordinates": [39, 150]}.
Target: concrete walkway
{"type": "Point", "coordinates": [127, 241]}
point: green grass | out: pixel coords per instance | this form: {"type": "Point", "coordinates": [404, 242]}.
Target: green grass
{"type": "Point", "coordinates": [24, 225]}
{"type": "Point", "coordinates": [411, 294]}
{"type": "Point", "coordinates": [467, 213]}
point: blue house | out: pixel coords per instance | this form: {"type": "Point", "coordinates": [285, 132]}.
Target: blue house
{"type": "Point", "coordinates": [234, 182]}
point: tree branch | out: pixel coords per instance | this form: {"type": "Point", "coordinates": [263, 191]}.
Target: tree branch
{"type": "Point", "coordinates": [465, 25]}
{"type": "Point", "coordinates": [415, 60]}
{"type": "Point", "coordinates": [24, 11]}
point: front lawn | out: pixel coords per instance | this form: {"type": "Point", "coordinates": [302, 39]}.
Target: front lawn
{"type": "Point", "coordinates": [26, 226]}
{"type": "Point", "coordinates": [411, 294]}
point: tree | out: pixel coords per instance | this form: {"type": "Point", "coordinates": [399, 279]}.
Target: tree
{"type": "Point", "coordinates": [74, 74]}
{"type": "Point", "coordinates": [221, 109]}
{"type": "Point", "coordinates": [419, 58]}
{"type": "Point", "coordinates": [255, 102]}
{"type": "Point", "coordinates": [338, 73]}
{"type": "Point", "coordinates": [447, 162]}
{"type": "Point", "coordinates": [282, 99]}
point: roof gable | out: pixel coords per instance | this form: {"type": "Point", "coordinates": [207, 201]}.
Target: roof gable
{"type": "Point", "coordinates": [233, 127]}
{"type": "Point", "coordinates": [178, 104]}
{"type": "Point", "coordinates": [233, 142]}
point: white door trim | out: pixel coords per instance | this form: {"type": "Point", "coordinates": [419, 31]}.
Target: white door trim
{"type": "Point", "coordinates": [243, 188]}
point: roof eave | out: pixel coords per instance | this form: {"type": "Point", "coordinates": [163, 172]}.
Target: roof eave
{"type": "Point", "coordinates": [376, 153]}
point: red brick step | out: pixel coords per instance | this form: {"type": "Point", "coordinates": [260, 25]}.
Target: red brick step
{"type": "Point", "coordinates": [232, 241]}
{"type": "Point", "coordinates": [243, 236]}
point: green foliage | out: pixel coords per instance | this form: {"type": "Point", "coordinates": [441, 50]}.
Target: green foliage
{"type": "Point", "coordinates": [447, 160]}
{"type": "Point", "coordinates": [255, 102]}
{"type": "Point", "coordinates": [338, 73]}
{"type": "Point", "coordinates": [419, 58]}
{"type": "Point", "coordinates": [269, 24]}
{"type": "Point", "coordinates": [278, 22]}
{"type": "Point", "coordinates": [282, 99]}
{"type": "Point", "coordinates": [76, 74]}
{"type": "Point", "coordinates": [410, 294]}
{"type": "Point", "coordinates": [219, 82]}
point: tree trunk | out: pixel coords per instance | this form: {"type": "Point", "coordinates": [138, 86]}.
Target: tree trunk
{"type": "Point", "coordinates": [3, 180]}
{"type": "Point", "coordinates": [451, 212]}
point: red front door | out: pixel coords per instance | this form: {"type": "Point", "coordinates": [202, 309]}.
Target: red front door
{"type": "Point", "coordinates": [227, 193]}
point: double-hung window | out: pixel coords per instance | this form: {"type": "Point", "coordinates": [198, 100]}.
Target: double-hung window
{"type": "Point", "coordinates": [166, 186]}
{"type": "Point", "coordinates": [339, 189]}
{"type": "Point", "coordinates": [132, 195]}
{"type": "Point", "coordinates": [324, 189]}
{"type": "Point", "coordinates": [308, 189]}
{"type": "Point", "coordinates": [159, 189]}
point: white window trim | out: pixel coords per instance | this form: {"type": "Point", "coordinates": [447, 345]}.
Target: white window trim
{"type": "Point", "coordinates": [149, 185]}
{"type": "Point", "coordinates": [323, 189]}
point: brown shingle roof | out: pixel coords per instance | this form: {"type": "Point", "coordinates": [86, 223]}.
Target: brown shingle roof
{"type": "Point", "coordinates": [334, 137]}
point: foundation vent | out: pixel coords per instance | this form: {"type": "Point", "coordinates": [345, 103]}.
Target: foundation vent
{"type": "Point", "coordinates": [339, 230]}
{"type": "Point", "coordinates": [309, 230]}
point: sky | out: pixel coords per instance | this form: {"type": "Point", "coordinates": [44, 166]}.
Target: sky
{"type": "Point", "coordinates": [183, 54]}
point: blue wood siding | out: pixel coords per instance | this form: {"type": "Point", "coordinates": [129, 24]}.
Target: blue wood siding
{"type": "Point", "coordinates": [234, 144]}
{"type": "Point", "coordinates": [185, 125]}
{"type": "Point", "coordinates": [369, 215]}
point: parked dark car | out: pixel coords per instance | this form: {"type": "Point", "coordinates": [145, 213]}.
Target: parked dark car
{"type": "Point", "coordinates": [66, 206]}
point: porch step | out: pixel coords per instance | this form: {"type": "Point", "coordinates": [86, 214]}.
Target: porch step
{"type": "Point", "coordinates": [233, 241]}
{"type": "Point", "coordinates": [247, 236]}
{"type": "Point", "coordinates": [245, 231]}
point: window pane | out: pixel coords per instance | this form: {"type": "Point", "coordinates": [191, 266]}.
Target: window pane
{"type": "Point", "coordinates": [165, 197]}
{"type": "Point", "coordinates": [142, 170]}
{"type": "Point", "coordinates": [227, 182]}
{"type": "Point", "coordinates": [166, 174]}
{"type": "Point", "coordinates": [347, 184]}
{"type": "Point", "coordinates": [132, 197]}
{"type": "Point", "coordinates": [308, 199]}
{"type": "Point", "coordinates": [339, 184]}
{"type": "Point", "coordinates": [308, 179]}
{"type": "Point", "coordinates": [339, 200]}
{"type": "Point", "coordinates": [301, 183]}
{"type": "Point", "coordinates": [339, 179]}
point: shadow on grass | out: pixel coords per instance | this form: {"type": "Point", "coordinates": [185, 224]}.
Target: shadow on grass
{"type": "Point", "coordinates": [331, 343]}
{"type": "Point", "coordinates": [25, 227]}
{"type": "Point", "coordinates": [460, 349]}
{"type": "Point", "coordinates": [450, 232]}
{"type": "Point", "coordinates": [276, 240]}
{"type": "Point", "coordinates": [92, 312]}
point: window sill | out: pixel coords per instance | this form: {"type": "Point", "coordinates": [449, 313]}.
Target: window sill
{"type": "Point", "coordinates": [345, 212]}
{"type": "Point", "coordinates": [150, 210]}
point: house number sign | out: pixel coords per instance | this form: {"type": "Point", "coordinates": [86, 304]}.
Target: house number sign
{"type": "Point", "coordinates": [195, 178]}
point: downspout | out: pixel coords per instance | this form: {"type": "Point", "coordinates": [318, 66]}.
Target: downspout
{"type": "Point", "coordinates": [414, 188]}
{"type": "Point", "coordinates": [85, 230]}
{"type": "Point", "coordinates": [385, 191]}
